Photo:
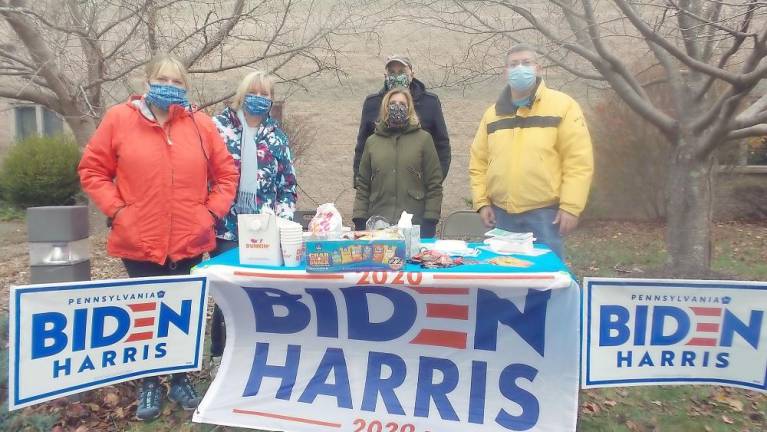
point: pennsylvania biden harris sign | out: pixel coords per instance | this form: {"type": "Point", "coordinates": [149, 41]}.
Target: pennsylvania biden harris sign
{"type": "Point", "coordinates": [71, 337]}
{"type": "Point", "coordinates": [644, 332]}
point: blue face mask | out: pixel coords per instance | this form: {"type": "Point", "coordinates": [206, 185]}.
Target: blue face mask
{"type": "Point", "coordinates": [521, 78]}
{"type": "Point", "coordinates": [163, 96]}
{"type": "Point", "coordinates": [256, 105]}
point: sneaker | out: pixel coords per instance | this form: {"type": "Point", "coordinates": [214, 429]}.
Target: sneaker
{"type": "Point", "coordinates": [215, 363]}
{"type": "Point", "coordinates": [149, 399]}
{"type": "Point", "coordinates": [182, 392]}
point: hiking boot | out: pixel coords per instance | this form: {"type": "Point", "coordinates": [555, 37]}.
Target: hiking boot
{"type": "Point", "coordinates": [149, 399]}
{"type": "Point", "coordinates": [182, 392]}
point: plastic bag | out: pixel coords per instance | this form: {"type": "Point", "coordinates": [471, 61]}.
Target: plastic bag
{"type": "Point", "coordinates": [327, 220]}
{"type": "Point", "coordinates": [375, 223]}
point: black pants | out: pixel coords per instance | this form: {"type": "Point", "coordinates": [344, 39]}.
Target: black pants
{"type": "Point", "coordinates": [170, 268]}
{"type": "Point", "coordinates": [217, 325]}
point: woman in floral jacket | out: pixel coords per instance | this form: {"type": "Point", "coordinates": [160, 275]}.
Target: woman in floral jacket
{"type": "Point", "coordinates": [262, 156]}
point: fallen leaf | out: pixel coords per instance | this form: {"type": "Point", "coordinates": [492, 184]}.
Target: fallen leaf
{"type": "Point", "coordinates": [727, 419]}
{"type": "Point", "coordinates": [657, 402]}
{"type": "Point", "coordinates": [591, 408]}
{"type": "Point", "coordinates": [111, 399]}
{"type": "Point", "coordinates": [735, 404]}
{"type": "Point", "coordinates": [120, 412]}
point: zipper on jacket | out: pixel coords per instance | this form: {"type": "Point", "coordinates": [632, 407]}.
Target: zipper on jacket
{"type": "Point", "coordinates": [396, 183]}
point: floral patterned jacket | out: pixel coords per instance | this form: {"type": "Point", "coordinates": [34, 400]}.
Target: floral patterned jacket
{"type": "Point", "coordinates": [276, 176]}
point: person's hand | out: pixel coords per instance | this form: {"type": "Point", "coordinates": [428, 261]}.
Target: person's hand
{"type": "Point", "coordinates": [566, 221]}
{"type": "Point", "coordinates": [488, 216]}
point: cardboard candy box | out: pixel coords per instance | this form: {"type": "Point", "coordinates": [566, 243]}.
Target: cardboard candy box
{"type": "Point", "coordinates": [329, 256]}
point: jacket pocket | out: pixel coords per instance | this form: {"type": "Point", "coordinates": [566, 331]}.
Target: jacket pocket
{"type": "Point", "coordinates": [202, 231]}
{"type": "Point", "coordinates": [417, 174]}
{"type": "Point", "coordinates": [374, 189]}
{"type": "Point", "coordinates": [125, 233]}
{"type": "Point", "coordinates": [416, 203]}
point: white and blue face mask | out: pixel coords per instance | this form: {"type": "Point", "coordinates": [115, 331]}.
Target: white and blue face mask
{"type": "Point", "coordinates": [521, 78]}
{"type": "Point", "coordinates": [164, 95]}
{"type": "Point", "coordinates": [256, 105]}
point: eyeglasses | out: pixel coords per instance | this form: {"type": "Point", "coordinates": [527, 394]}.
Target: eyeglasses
{"type": "Point", "coordinates": [515, 63]}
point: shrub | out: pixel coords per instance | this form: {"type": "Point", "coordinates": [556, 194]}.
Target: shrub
{"type": "Point", "coordinates": [301, 134]}
{"type": "Point", "coordinates": [41, 170]}
{"type": "Point", "coordinates": [631, 159]}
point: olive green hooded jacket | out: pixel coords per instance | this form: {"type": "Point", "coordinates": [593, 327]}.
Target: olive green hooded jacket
{"type": "Point", "coordinates": [399, 171]}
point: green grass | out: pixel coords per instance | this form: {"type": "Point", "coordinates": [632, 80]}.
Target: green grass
{"type": "Point", "coordinates": [638, 250]}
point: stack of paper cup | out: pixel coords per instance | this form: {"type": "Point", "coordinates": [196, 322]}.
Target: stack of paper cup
{"type": "Point", "coordinates": [292, 242]}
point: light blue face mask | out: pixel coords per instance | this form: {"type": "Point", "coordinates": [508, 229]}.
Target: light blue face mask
{"type": "Point", "coordinates": [164, 95]}
{"type": "Point", "coordinates": [256, 105]}
{"type": "Point", "coordinates": [521, 78]}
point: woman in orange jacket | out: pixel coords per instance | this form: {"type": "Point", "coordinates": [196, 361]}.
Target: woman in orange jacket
{"type": "Point", "coordinates": [160, 171]}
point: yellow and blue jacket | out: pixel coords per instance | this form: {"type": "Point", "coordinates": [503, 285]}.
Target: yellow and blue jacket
{"type": "Point", "coordinates": [533, 156]}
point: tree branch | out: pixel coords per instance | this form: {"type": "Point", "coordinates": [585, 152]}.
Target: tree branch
{"type": "Point", "coordinates": [220, 35]}
{"type": "Point", "coordinates": [758, 130]}
{"type": "Point", "coordinates": [29, 94]}
{"type": "Point", "coordinates": [647, 32]}
{"type": "Point", "coordinates": [39, 51]}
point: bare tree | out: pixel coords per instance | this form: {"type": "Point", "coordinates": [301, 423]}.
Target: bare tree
{"type": "Point", "coordinates": [78, 56]}
{"type": "Point", "coordinates": [712, 53]}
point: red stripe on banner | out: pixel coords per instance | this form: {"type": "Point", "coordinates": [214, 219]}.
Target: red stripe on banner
{"type": "Point", "coordinates": [139, 337]}
{"type": "Point", "coordinates": [459, 312]}
{"type": "Point", "coordinates": [492, 277]}
{"type": "Point", "coordinates": [290, 276]}
{"type": "Point", "coordinates": [443, 338]}
{"type": "Point", "coordinates": [288, 418]}
{"type": "Point", "coordinates": [143, 322]}
{"type": "Point", "coordinates": [706, 311]}
{"type": "Point", "coordinates": [435, 290]}
{"type": "Point", "coordinates": [702, 342]}
{"type": "Point", "coordinates": [707, 327]}
{"type": "Point", "coordinates": [143, 307]}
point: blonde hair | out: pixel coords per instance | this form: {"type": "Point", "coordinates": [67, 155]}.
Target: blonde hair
{"type": "Point", "coordinates": [161, 61]}
{"type": "Point", "coordinates": [263, 79]}
{"type": "Point", "coordinates": [412, 117]}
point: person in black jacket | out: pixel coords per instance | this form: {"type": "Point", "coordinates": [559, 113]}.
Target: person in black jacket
{"type": "Point", "coordinates": [399, 73]}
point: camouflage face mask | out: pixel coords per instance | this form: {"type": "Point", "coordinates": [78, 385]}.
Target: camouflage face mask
{"type": "Point", "coordinates": [398, 116]}
{"type": "Point", "coordinates": [397, 81]}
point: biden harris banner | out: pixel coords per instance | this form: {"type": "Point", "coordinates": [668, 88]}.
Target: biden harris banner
{"type": "Point", "coordinates": [70, 337]}
{"type": "Point", "coordinates": [400, 352]}
{"type": "Point", "coordinates": [644, 332]}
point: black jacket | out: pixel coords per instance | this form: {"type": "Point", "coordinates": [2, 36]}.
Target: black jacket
{"type": "Point", "coordinates": [429, 111]}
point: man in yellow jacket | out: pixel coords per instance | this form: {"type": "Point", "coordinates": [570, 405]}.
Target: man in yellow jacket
{"type": "Point", "coordinates": [531, 160]}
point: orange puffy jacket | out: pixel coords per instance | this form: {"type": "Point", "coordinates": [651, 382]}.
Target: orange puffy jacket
{"type": "Point", "coordinates": [160, 184]}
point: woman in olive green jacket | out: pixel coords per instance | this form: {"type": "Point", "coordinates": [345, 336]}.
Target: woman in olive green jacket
{"type": "Point", "coordinates": [399, 169]}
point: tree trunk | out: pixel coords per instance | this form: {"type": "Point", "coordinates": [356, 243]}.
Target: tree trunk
{"type": "Point", "coordinates": [689, 204]}
{"type": "Point", "coordinates": [82, 127]}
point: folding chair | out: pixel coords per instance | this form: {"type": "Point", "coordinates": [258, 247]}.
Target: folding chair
{"type": "Point", "coordinates": [304, 217]}
{"type": "Point", "coordinates": [463, 225]}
